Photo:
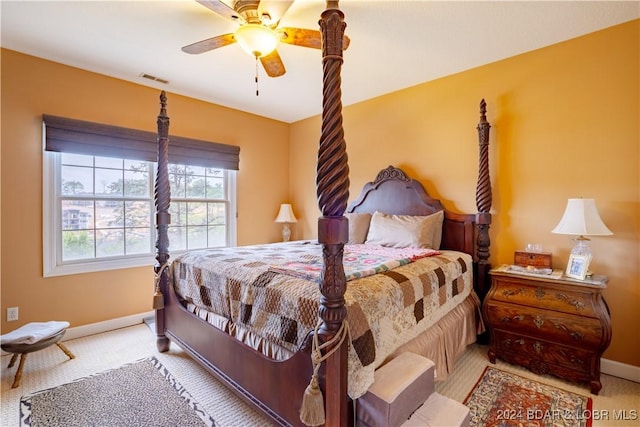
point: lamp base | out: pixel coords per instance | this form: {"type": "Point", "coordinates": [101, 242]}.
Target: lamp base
{"type": "Point", "coordinates": [581, 247]}
{"type": "Point", "coordinates": [286, 232]}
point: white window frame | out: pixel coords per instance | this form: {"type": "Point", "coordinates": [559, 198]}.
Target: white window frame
{"type": "Point", "coordinates": [52, 223]}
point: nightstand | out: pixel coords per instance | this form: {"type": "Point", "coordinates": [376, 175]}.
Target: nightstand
{"type": "Point", "coordinates": [550, 326]}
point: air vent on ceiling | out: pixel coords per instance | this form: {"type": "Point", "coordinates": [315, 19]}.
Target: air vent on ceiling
{"type": "Point", "coordinates": [154, 78]}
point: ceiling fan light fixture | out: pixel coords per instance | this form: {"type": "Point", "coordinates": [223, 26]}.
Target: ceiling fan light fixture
{"type": "Point", "coordinates": [256, 39]}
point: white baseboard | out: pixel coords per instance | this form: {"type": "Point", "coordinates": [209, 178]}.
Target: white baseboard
{"type": "Point", "coordinates": [99, 327]}
{"type": "Point", "coordinates": [107, 325]}
{"type": "Point", "coordinates": [620, 370]}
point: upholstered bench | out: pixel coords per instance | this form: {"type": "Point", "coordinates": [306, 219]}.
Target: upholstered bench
{"type": "Point", "coordinates": [33, 337]}
{"type": "Point", "coordinates": [399, 388]}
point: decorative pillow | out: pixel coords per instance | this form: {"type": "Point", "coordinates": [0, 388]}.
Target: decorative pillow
{"type": "Point", "coordinates": [406, 231]}
{"type": "Point", "coordinates": [358, 227]}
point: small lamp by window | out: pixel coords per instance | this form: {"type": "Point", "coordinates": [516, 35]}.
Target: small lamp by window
{"type": "Point", "coordinates": [581, 218]}
{"type": "Point", "coordinates": [286, 217]}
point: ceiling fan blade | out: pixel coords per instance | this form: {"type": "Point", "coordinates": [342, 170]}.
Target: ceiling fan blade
{"type": "Point", "coordinates": [306, 38]}
{"type": "Point", "coordinates": [275, 9]}
{"type": "Point", "coordinates": [273, 65]}
{"type": "Point", "coordinates": [222, 9]}
{"type": "Point", "coordinates": [210, 44]}
{"type": "Point", "coordinates": [301, 37]}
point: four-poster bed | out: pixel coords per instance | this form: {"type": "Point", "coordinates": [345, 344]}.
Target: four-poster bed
{"type": "Point", "coordinates": [273, 377]}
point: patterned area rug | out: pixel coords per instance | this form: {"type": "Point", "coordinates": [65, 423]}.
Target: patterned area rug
{"type": "Point", "coordinates": [504, 399]}
{"type": "Point", "coordinates": [139, 394]}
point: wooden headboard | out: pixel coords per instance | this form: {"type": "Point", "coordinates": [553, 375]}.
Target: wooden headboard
{"type": "Point", "coordinates": [394, 193]}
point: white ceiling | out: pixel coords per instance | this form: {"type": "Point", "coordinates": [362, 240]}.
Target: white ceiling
{"type": "Point", "coordinates": [394, 44]}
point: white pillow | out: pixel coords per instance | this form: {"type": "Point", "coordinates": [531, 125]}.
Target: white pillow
{"type": "Point", "coordinates": [358, 227]}
{"type": "Point", "coordinates": [406, 231]}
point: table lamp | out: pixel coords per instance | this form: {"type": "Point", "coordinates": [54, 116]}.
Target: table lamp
{"type": "Point", "coordinates": [286, 217]}
{"type": "Point", "coordinates": [581, 218]}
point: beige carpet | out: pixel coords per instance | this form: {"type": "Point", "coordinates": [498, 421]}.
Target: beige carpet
{"type": "Point", "coordinates": [50, 367]}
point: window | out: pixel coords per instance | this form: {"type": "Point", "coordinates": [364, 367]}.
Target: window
{"type": "Point", "coordinates": [105, 207]}
{"type": "Point", "coordinates": [199, 207]}
{"type": "Point", "coordinates": [99, 210]}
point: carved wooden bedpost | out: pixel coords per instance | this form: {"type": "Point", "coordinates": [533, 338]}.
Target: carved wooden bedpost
{"type": "Point", "coordinates": [332, 187]}
{"type": "Point", "coordinates": [483, 203]}
{"type": "Point", "coordinates": [162, 195]}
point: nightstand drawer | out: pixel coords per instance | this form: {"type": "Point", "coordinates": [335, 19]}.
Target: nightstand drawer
{"type": "Point", "coordinates": [573, 300]}
{"type": "Point", "coordinates": [551, 325]}
{"type": "Point", "coordinates": [544, 357]}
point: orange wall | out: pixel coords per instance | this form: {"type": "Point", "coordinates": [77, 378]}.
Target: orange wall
{"type": "Point", "coordinates": [565, 123]}
{"type": "Point", "coordinates": [31, 87]}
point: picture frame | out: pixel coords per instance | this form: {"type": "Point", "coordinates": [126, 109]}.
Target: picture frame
{"type": "Point", "coordinates": [578, 266]}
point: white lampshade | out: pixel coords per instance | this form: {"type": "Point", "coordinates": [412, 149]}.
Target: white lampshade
{"type": "Point", "coordinates": [581, 218]}
{"type": "Point", "coordinates": [286, 214]}
{"type": "Point", "coordinates": [256, 39]}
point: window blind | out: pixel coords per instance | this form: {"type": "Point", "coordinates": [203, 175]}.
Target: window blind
{"type": "Point", "coordinates": [81, 137]}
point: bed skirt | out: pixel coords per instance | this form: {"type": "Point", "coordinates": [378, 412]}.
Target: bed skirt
{"type": "Point", "coordinates": [443, 343]}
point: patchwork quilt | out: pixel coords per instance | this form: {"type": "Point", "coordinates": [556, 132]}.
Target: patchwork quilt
{"type": "Point", "coordinates": [272, 290]}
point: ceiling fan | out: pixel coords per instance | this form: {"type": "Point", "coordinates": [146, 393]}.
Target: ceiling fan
{"type": "Point", "coordinates": [258, 33]}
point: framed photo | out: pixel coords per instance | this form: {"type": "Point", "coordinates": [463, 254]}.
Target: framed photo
{"type": "Point", "coordinates": [578, 266]}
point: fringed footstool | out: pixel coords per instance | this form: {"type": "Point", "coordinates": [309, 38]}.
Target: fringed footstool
{"type": "Point", "coordinates": [33, 337]}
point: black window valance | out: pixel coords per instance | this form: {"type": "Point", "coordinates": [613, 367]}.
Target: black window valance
{"type": "Point", "coordinates": [80, 137]}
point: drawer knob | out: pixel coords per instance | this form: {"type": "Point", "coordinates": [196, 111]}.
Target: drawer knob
{"type": "Point", "coordinates": [538, 347]}
{"type": "Point", "coordinates": [538, 322]}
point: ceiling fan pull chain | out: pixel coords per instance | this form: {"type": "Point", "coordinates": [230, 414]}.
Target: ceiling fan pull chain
{"type": "Point", "coordinates": [257, 88]}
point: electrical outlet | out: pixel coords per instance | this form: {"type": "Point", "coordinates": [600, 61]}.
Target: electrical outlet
{"type": "Point", "coordinates": [12, 314]}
